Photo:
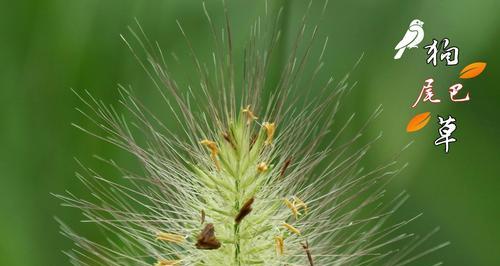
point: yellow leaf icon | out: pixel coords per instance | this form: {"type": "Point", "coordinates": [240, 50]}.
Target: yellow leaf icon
{"type": "Point", "coordinates": [473, 70]}
{"type": "Point", "coordinates": [418, 122]}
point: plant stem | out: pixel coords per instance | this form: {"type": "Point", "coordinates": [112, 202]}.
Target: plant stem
{"type": "Point", "coordinates": [237, 260]}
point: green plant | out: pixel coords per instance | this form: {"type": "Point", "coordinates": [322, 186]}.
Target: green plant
{"type": "Point", "coordinates": [247, 181]}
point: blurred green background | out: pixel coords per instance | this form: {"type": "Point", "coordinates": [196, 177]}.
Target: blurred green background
{"type": "Point", "coordinates": [50, 46]}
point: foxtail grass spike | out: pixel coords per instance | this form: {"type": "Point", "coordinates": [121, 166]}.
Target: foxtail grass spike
{"type": "Point", "coordinates": [243, 168]}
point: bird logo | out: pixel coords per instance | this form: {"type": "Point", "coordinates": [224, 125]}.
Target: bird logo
{"type": "Point", "coordinates": [413, 36]}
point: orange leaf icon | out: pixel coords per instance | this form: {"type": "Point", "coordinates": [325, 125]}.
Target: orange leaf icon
{"type": "Point", "coordinates": [473, 70]}
{"type": "Point", "coordinates": [418, 122]}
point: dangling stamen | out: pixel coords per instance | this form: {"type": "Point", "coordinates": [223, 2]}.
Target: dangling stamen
{"type": "Point", "coordinates": [291, 228]}
{"type": "Point", "coordinates": [262, 167]}
{"type": "Point", "coordinates": [298, 203]}
{"type": "Point", "coordinates": [167, 263]}
{"type": "Point", "coordinates": [292, 207]}
{"type": "Point", "coordinates": [280, 245]}
{"type": "Point", "coordinates": [270, 128]}
{"type": "Point", "coordinates": [212, 146]}
{"type": "Point", "coordinates": [174, 238]}
{"type": "Point", "coordinates": [249, 113]}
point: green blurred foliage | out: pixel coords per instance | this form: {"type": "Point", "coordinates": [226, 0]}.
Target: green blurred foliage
{"type": "Point", "coordinates": [50, 46]}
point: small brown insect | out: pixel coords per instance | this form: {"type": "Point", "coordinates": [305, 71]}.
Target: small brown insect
{"type": "Point", "coordinates": [244, 211]}
{"type": "Point", "coordinates": [305, 246]}
{"type": "Point", "coordinates": [207, 239]}
{"type": "Point", "coordinates": [285, 166]}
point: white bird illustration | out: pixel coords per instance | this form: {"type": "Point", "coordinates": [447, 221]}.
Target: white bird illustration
{"type": "Point", "coordinates": [413, 36]}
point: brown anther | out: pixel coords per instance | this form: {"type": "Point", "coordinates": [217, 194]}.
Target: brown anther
{"type": "Point", "coordinates": [207, 239]}
{"type": "Point", "coordinates": [253, 139]}
{"type": "Point", "coordinates": [245, 210]}
{"type": "Point", "coordinates": [262, 167]}
{"type": "Point", "coordinates": [249, 113]}
{"type": "Point", "coordinates": [280, 245]}
{"type": "Point", "coordinates": [270, 129]}
{"type": "Point", "coordinates": [305, 246]}
{"type": "Point", "coordinates": [285, 166]}
{"type": "Point", "coordinates": [228, 138]}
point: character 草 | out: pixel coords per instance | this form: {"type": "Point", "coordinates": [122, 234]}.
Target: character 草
{"type": "Point", "coordinates": [445, 131]}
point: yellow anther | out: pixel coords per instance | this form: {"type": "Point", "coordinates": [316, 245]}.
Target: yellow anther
{"type": "Point", "coordinates": [291, 228]}
{"type": "Point", "coordinates": [270, 128]}
{"type": "Point", "coordinates": [295, 205]}
{"type": "Point", "coordinates": [167, 263]}
{"type": "Point", "coordinates": [249, 113]}
{"type": "Point", "coordinates": [175, 238]}
{"type": "Point", "coordinates": [280, 245]}
{"type": "Point", "coordinates": [292, 207]}
{"type": "Point", "coordinates": [262, 167]}
{"type": "Point", "coordinates": [214, 151]}
{"type": "Point", "coordinates": [212, 146]}
{"type": "Point", "coordinates": [298, 203]}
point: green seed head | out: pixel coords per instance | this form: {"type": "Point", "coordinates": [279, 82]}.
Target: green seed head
{"type": "Point", "coordinates": [251, 179]}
